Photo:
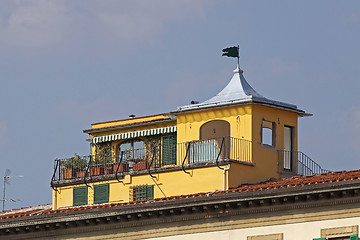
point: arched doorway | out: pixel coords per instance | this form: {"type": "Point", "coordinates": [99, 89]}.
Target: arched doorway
{"type": "Point", "coordinates": [215, 129]}
{"type": "Point", "coordinates": [213, 135]}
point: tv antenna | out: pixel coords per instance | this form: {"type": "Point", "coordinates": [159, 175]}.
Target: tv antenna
{"type": "Point", "coordinates": [7, 181]}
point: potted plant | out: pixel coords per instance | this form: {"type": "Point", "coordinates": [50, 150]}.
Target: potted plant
{"type": "Point", "coordinates": [140, 164]}
{"type": "Point", "coordinates": [121, 167]}
{"type": "Point", "coordinates": [74, 167]}
{"type": "Point", "coordinates": [103, 160]}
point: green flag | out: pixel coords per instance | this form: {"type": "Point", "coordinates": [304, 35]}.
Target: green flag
{"type": "Point", "coordinates": [231, 52]}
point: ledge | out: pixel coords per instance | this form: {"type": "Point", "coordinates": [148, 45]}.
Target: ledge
{"type": "Point", "coordinates": [93, 179]}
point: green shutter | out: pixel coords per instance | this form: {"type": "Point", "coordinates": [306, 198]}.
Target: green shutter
{"type": "Point", "coordinates": [80, 196]}
{"type": "Point", "coordinates": [319, 238]}
{"type": "Point", "coordinates": [354, 237]}
{"type": "Point", "coordinates": [101, 193]}
{"type": "Point", "coordinates": [169, 149]}
{"type": "Point", "coordinates": [150, 192]}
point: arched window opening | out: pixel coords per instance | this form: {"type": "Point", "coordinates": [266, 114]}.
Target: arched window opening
{"type": "Point", "coordinates": [132, 150]}
{"type": "Point", "coordinates": [268, 133]}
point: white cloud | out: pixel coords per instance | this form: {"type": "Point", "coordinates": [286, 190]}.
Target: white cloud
{"type": "Point", "coordinates": [34, 23]}
{"type": "Point", "coordinates": [50, 23]}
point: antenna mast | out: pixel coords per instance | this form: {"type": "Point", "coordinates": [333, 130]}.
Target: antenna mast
{"type": "Point", "coordinates": [6, 181]}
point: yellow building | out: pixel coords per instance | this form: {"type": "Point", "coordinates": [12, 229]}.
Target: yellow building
{"type": "Point", "coordinates": [237, 137]}
{"type": "Point", "coordinates": [317, 207]}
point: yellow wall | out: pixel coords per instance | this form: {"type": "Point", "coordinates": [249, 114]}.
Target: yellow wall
{"type": "Point", "coordinates": [128, 121]}
{"type": "Point", "coordinates": [171, 183]}
{"type": "Point", "coordinates": [266, 157]}
{"type": "Point", "coordinates": [114, 144]}
{"type": "Point", "coordinates": [245, 123]}
{"type": "Point", "coordinates": [189, 123]}
{"type": "Point", "coordinates": [239, 117]}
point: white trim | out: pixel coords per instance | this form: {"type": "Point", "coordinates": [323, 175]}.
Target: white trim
{"type": "Point", "coordinates": [127, 135]}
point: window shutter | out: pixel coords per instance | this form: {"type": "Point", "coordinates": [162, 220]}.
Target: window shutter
{"type": "Point", "coordinates": [319, 238]}
{"type": "Point", "coordinates": [150, 192]}
{"type": "Point", "coordinates": [169, 149]}
{"type": "Point", "coordinates": [101, 193]}
{"type": "Point", "coordinates": [354, 237]}
{"type": "Point", "coordinates": [80, 196]}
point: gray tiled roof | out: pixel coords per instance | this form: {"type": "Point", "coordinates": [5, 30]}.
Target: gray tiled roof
{"type": "Point", "coordinates": [238, 91]}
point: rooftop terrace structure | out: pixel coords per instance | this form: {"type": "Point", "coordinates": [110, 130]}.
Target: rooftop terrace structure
{"type": "Point", "coordinates": [236, 137]}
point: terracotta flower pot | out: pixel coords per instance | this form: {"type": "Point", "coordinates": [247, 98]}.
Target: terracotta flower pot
{"type": "Point", "coordinates": [122, 167]}
{"type": "Point", "coordinates": [95, 171]}
{"type": "Point", "coordinates": [108, 170]}
{"type": "Point", "coordinates": [80, 173]}
{"type": "Point", "coordinates": [140, 166]}
{"type": "Point", "coordinates": [67, 173]}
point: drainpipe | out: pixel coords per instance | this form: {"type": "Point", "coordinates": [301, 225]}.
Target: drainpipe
{"type": "Point", "coordinates": [158, 187]}
{"type": "Point", "coordinates": [224, 175]}
{"type": "Point", "coordinates": [54, 200]}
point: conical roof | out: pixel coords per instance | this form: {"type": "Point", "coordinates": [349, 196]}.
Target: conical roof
{"type": "Point", "coordinates": [237, 91]}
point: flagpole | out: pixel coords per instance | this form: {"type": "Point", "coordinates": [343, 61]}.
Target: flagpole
{"type": "Point", "coordinates": [238, 57]}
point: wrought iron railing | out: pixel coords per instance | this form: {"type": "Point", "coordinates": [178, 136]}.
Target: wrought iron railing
{"type": "Point", "coordinates": [305, 165]}
{"type": "Point", "coordinates": [150, 158]}
{"type": "Point", "coordinates": [215, 149]}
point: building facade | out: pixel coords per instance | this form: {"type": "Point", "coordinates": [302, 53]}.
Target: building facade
{"type": "Point", "coordinates": [236, 137]}
{"type": "Point", "coordinates": [324, 206]}
{"type": "Point", "coordinates": [227, 168]}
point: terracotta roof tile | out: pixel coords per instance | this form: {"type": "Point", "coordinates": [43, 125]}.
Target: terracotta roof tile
{"type": "Point", "coordinates": [295, 181]}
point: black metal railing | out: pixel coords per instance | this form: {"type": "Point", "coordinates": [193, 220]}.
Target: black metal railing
{"type": "Point", "coordinates": [305, 165]}
{"type": "Point", "coordinates": [106, 164]}
{"type": "Point", "coordinates": [215, 149]}
{"type": "Point", "coordinates": [150, 158]}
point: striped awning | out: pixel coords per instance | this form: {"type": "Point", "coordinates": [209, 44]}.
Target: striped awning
{"type": "Point", "coordinates": [134, 134]}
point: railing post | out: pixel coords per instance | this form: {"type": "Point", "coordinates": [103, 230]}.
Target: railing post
{"type": "Point", "coordinates": [187, 152]}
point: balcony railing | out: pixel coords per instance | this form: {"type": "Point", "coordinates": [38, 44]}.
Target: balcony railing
{"type": "Point", "coordinates": [181, 154]}
{"type": "Point", "coordinates": [150, 158]}
{"type": "Point", "coordinates": [305, 165]}
{"type": "Point", "coordinates": [215, 149]}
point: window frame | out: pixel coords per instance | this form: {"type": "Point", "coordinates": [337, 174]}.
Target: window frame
{"type": "Point", "coordinates": [76, 192]}
{"type": "Point", "coordinates": [147, 192]}
{"type": "Point", "coordinates": [266, 124]}
{"type": "Point", "coordinates": [339, 232]}
{"type": "Point", "coordinates": [99, 189]}
{"type": "Point", "coordinates": [273, 236]}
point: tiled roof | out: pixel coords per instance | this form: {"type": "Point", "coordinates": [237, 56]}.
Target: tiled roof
{"type": "Point", "coordinates": [296, 181]}
{"type": "Point", "coordinates": [238, 91]}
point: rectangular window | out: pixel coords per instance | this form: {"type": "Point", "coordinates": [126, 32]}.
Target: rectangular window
{"type": "Point", "coordinates": [276, 236]}
{"type": "Point", "coordinates": [340, 233]}
{"type": "Point", "coordinates": [268, 133]}
{"type": "Point", "coordinates": [138, 193]}
{"type": "Point", "coordinates": [168, 149]}
{"type": "Point", "coordinates": [80, 196]}
{"type": "Point", "coordinates": [352, 237]}
{"type": "Point", "coordinates": [101, 193]}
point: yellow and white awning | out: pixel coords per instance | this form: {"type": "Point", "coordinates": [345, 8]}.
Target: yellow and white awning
{"type": "Point", "coordinates": [134, 134]}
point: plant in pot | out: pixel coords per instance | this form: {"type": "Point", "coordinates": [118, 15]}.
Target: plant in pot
{"type": "Point", "coordinates": [152, 151]}
{"type": "Point", "coordinates": [103, 160]}
{"type": "Point", "coordinates": [74, 167]}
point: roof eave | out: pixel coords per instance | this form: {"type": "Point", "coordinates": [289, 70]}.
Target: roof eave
{"type": "Point", "coordinates": [201, 107]}
{"type": "Point", "coordinates": [129, 125]}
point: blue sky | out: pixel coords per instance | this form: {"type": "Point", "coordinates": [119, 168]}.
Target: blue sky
{"type": "Point", "coordinates": [67, 64]}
